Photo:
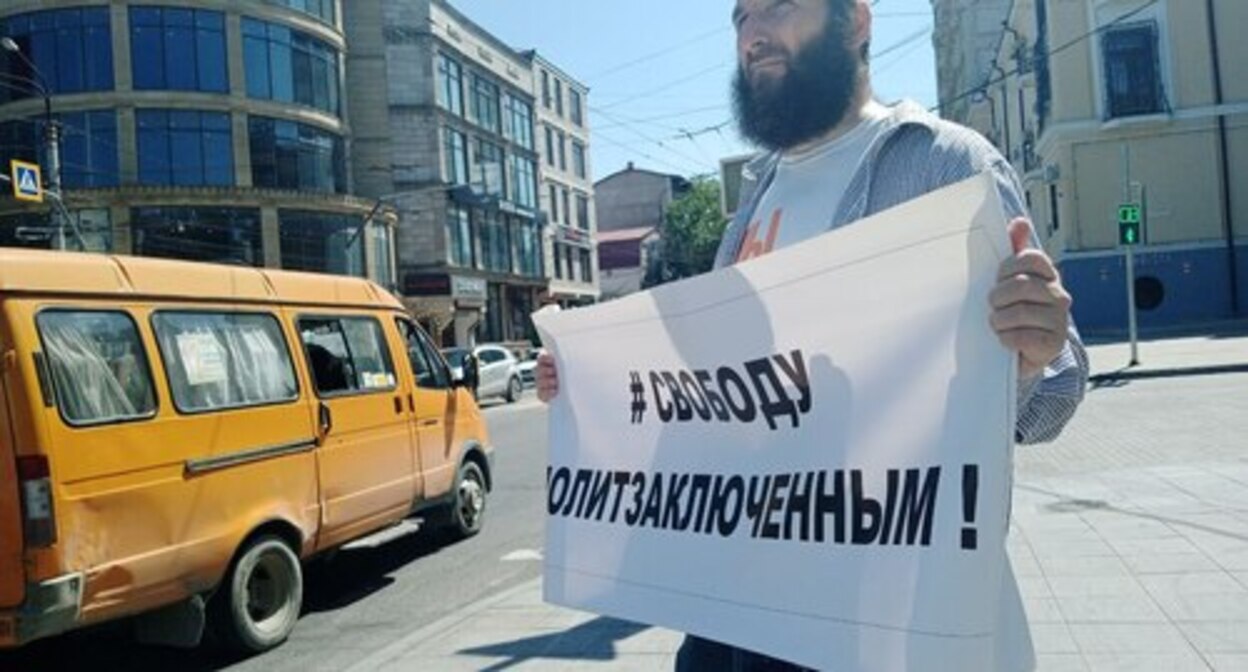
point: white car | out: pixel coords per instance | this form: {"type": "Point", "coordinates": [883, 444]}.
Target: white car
{"type": "Point", "coordinates": [498, 370]}
{"type": "Point", "coordinates": [528, 368]}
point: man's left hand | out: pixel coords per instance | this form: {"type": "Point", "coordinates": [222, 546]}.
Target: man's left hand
{"type": "Point", "coordinates": [1030, 308]}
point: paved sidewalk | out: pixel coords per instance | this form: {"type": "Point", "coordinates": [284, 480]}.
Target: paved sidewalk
{"type": "Point", "coordinates": [1129, 539]}
{"type": "Point", "coordinates": [1226, 352]}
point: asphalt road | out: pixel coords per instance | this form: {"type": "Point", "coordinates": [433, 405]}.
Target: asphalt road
{"type": "Point", "coordinates": [366, 598]}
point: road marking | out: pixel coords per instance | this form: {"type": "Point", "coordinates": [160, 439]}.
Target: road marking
{"type": "Point", "coordinates": [523, 555]}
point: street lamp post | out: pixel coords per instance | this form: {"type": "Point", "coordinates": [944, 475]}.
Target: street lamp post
{"type": "Point", "coordinates": [52, 139]}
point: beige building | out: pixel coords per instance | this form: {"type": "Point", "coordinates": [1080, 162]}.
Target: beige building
{"type": "Point", "coordinates": [567, 185]}
{"type": "Point", "coordinates": [1103, 102]}
{"type": "Point", "coordinates": [209, 130]}
{"type": "Point", "coordinates": [444, 116]}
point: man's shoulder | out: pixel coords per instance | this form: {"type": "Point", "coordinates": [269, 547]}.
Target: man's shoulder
{"type": "Point", "coordinates": [940, 144]}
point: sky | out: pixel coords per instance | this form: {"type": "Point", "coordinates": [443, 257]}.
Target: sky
{"type": "Point", "coordinates": [658, 70]}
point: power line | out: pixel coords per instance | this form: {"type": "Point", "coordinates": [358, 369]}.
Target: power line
{"type": "Point", "coordinates": [662, 52]}
{"type": "Point", "coordinates": [664, 87]}
{"type": "Point", "coordinates": [654, 141]}
{"type": "Point", "coordinates": [905, 41]}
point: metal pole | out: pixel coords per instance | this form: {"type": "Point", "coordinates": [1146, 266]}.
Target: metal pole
{"type": "Point", "coordinates": [1132, 327]}
{"type": "Point", "coordinates": [52, 133]}
{"type": "Point", "coordinates": [1224, 171]}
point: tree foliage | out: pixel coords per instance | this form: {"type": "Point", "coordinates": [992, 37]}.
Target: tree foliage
{"type": "Point", "coordinates": [692, 229]}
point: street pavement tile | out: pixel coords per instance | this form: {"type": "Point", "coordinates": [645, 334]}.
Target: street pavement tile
{"type": "Point", "coordinates": [1166, 662]}
{"type": "Point", "coordinates": [1052, 638]}
{"type": "Point", "coordinates": [1090, 546]}
{"type": "Point", "coordinates": [1221, 607]}
{"type": "Point", "coordinates": [1125, 526]}
{"type": "Point", "coordinates": [1113, 609]}
{"type": "Point", "coordinates": [1129, 638]}
{"type": "Point", "coordinates": [1228, 662]}
{"type": "Point", "coordinates": [1034, 587]}
{"type": "Point", "coordinates": [1169, 563]}
{"type": "Point", "coordinates": [1091, 565]}
{"type": "Point", "coordinates": [1190, 583]}
{"type": "Point", "coordinates": [1169, 545]}
{"type": "Point", "coordinates": [1217, 637]}
{"type": "Point", "coordinates": [1060, 662]}
{"type": "Point", "coordinates": [1241, 577]}
{"type": "Point", "coordinates": [1094, 586]}
{"type": "Point", "coordinates": [1042, 610]}
{"type": "Point", "coordinates": [1024, 564]}
{"type": "Point", "coordinates": [634, 663]}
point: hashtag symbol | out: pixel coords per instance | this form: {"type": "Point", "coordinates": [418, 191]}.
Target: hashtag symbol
{"type": "Point", "coordinates": [639, 397]}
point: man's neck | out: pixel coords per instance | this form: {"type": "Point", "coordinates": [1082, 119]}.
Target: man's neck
{"type": "Point", "coordinates": [853, 116]}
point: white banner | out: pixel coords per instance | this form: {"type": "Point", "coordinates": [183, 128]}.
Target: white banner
{"type": "Point", "coordinates": [806, 455]}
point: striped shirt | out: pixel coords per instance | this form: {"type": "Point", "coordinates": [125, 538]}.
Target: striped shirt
{"type": "Point", "coordinates": [919, 153]}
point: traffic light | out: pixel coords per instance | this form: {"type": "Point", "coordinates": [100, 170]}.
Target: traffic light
{"type": "Point", "coordinates": [1129, 224]}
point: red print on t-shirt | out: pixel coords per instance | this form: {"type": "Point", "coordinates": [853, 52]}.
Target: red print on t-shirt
{"type": "Point", "coordinates": [753, 246]}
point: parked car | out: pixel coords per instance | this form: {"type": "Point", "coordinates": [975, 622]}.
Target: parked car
{"type": "Point", "coordinates": [498, 370]}
{"type": "Point", "coordinates": [528, 368]}
{"type": "Point", "coordinates": [178, 439]}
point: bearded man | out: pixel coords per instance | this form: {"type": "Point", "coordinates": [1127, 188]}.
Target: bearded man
{"type": "Point", "coordinates": [835, 155]}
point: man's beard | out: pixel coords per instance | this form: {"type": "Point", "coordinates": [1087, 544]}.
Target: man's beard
{"type": "Point", "coordinates": [809, 99]}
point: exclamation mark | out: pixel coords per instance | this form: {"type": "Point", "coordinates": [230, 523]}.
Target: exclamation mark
{"type": "Point", "coordinates": [970, 494]}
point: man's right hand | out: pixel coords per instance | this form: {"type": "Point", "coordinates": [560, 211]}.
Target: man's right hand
{"type": "Point", "coordinates": [547, 377]}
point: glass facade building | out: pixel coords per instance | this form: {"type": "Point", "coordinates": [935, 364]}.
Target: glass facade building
{"type": "Point", "coordinates": [218, 135]}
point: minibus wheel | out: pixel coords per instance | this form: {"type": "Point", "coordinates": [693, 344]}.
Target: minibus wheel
{"type": "Point", "coordinates": [258, 604]}
{"type": "Point", "coordinates": [463, 516]}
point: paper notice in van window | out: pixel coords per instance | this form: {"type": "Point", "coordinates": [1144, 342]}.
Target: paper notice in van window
{"type": "Point", "coordinates": [203, 358]}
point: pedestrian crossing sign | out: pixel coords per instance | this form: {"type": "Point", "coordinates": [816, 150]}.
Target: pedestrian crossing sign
{"type": "Point", "coordinates": [27, 182]}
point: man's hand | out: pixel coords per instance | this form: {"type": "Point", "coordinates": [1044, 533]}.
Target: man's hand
{"type": "Point", "coordinates": [547, 377]}
{"type": "Point", "coordinates": [1030, 308]}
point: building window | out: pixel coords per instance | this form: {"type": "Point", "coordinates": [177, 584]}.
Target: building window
{"type": "Point", "coordinates": [322, 242]}
{"type": "Point", "coordinates": [320, 9]}
{"type": "Point", "coordinates": [587, 269]}
{"type": "Point", "coordinates": [558, 259]}
{"type": "Point", "coordinates": [529, 248]}
{"type": "Point", "coordinates": [567, 206]}
{"type": "Point", "coordinates": [495, 242]}
{"type": "Point", "coordinates": [575, 107]}
{"type": "Point", "coordinates": [185, 148]}
{"type": "Point", "coordinates": [523, 182]}
{"type": "Point", "coordinates": [34, 230]}
{"type": "Point", "coordinates": [219, 235]}
{"type": "Point", "coordinates": [485, 103]}
{"type": "Point", "coordinates": [456, 161]}
{"type": "Point", "coordinates": [290, 155]}
{"type": "Point", "coordinates": [578, 160]}
{"type": "Point", "coordinates": [450, 90]}
{"type": "Point", "coordinates": [518, 116]}
{"type": "Point", "coordinates": [72, 48]}
{"type": "Point", "coordinates": [582, 211]}
{"type": "Point", "coordinates": [290, 67]}
{"type": "Point", "coordinates": [554, 204]}
{"type": "Point", "coordinates": [88, 146]}
{"type": "Point", "coordinates": [1053, 208]}
{"type": "Point", "coordinates": [176, 49]}
{"type": "Point", "coordinates": [563, 152]}
{"type": "Point", "coordinates": [546, 89]}
{"type": "Point", "coordinates": [459, 238]}
{"type": "Point", "coordinates": [550, 147]}
{"type": "Point", "coordinates": [1132, 71]}
{"type": "Point", "coordinates": [490, 169]}
{"type": "Point", "coordinates": [559, 97]}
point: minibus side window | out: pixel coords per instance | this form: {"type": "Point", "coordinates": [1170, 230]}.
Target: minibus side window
{"type": "Point", "coordinates": [99, 368]}
{"type": "Point", "coordinates": [347, 355]}
{"type": "Point", "coordinates": [430, 374]}
{"type": "Point", "coordinates": [225, 360]}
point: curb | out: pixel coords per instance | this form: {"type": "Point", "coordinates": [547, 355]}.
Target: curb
{"type": "Point", "coordinates": [1128, 374]}
{"type": "Point", "coordinates": [410, 642]}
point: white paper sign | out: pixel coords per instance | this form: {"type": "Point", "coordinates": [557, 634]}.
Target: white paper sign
{"type": "Point", "coordinates": [203, 358]}
{"type": "Point", "coordinates": [806, 455]}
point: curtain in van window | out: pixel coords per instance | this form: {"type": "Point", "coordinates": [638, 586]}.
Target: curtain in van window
{"type": "Point", "coordinates": [223, 361]}
{"type": "Point", "coordinates": [87, 377]}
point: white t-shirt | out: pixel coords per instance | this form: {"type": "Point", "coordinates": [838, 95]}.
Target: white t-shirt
{"type": "Point", "coordinates": [808, 187]}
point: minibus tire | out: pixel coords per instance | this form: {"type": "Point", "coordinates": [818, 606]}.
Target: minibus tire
{"type": "Point", "coordinates": [463, 517]}
{"type": "Point", "coordinates": [258, 604]}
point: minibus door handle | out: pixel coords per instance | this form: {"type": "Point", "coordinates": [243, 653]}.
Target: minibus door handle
{"type": "Point", "coordinates": [325, 420]}
{"type": "Point", "coordinates": [398, 405]}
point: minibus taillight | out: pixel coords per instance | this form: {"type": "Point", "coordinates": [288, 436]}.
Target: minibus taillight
{"type": "Point", "coordinates": [36, 483]}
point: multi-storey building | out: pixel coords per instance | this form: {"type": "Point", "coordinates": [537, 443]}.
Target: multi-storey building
{"type": "Point", "coordinates": [445, 132]}
{"type": "Point", "coordinates": [567, 187]}
{"type": "Point", "coordinates": [210, 130]}
{"type": "Point", "coordinates": [632, 207]}
{"type": "Point", "coordinates": [965, 39]}
{"type": "Point", "coordinates": [1106, 102]}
